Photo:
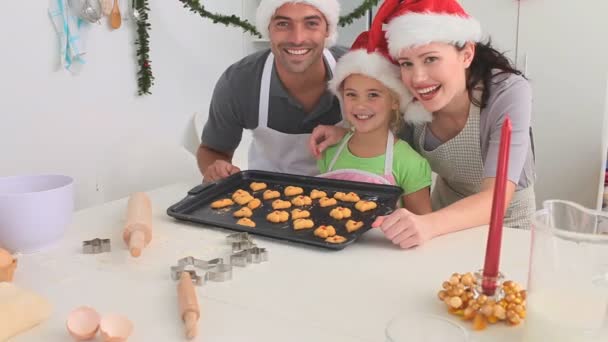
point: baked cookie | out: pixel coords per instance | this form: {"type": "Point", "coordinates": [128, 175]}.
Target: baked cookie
{"type": "Point", "coordinates": [243, 212]}
{"type": "Point", "coordinates": [222, 203]}
{"type": "Point", "coordinates": [278, 216]}
{"type": "Point", "coordinates": [244, 199]}
{"type": "Point", "coordinates": [239, 193]}
{"type": "Point", "coordinates": [280, 204]}
{"type": "Point", "coordinates": [349, 197]}
{"type": "Point", "coordinates": [327, 202]}
{"type": "Point", "coordinates": [325, 231]}
{"type": "Point", "coordinates": [255, 186]}
{"type": "Point", "coordinates": [245, 221]}
{"type": "Point", "coordinates": [293, 190]}
{"type": "Point", "coordinates": [254, 203]}
{"type": "Point", "coordinates": [299, 213]}
{"type": "Point", "coordinates": [301, 201]}
{"type": "Point", "coordinates": [335, 239]}
{"type": "Point", "coordinates": [340, 213]}
{"type": "Point", "coordinates": [317, 194]}
{"type": "Point", "coordinates": [303, 224]}
{"type": "Point", "coordinates": [271, 194]}
{"type": "Point", "coordinates": [352, 225]}
{"type": "Point", "coordinates": [364, 206]}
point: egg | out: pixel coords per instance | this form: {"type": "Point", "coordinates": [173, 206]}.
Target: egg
{"type": "Point", "coordinates": [83, 323]}
{"type": "Point", "coordinates": [115, 328]}
{"type": "Point", "coordinates": [6, 259]}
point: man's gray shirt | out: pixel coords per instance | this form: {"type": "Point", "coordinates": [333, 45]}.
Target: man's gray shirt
{"type": "Point", "coordinates": [236, 98]}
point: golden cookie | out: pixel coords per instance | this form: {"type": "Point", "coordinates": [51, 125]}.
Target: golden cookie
{"type": "Point", "coordinates": [335, 239]}
{"type": "Point", "coordinates": [339, 196]}
{"type": "Point", "coordinates": [293, 190]}
{"type": "Point", "coordinates": [222, 203]}
{"type": "Point", "coordinates": [364, 206]}
{"type": "Point", "coordinates": [239, 193]}
{"type": "Point", "coordinates": [299, 213]}
{"type": "Point", "coordinates": [327, 202]}
{"type": "Point", "coordinates": [340, 213]}
{"type": "Point", "coordinates": [244, 199]}
{"type": "Point", "coordinates": [271, 194]}
{"type": "Point", "coordinates": [303, 224]}
{"type": "Point", "coordinates": [317, 194]}
{"type": "Point", "coordinates": [254, 203]}
{"type": "Point", "coordinates": [352, 226]}
{"type": "Point", "coordinates": [255, 186]}
{"type": "Point", "coordinates": [350, 197]}
{"type": "Point", "coordinates": [325, 231]}
{"type": "Point", "coordinates": [301, 201]}
{"type": "Point", "coordinates": [278, 216]}
{"type": "Point", "coordinates": [243, 212]}
{"type": "Point", "coordinates": [246, 222]}
{"type": "Point", "coordinates": [280, 204]}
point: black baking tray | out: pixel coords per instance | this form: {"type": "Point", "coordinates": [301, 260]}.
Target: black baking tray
{"type": "Point", "coordinates": [195, 207]}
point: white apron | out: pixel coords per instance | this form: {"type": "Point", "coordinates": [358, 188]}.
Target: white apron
{"type": "Point", "coordinates": [275, 151]}
{"type": "Point", "coordinates": [361, 175]}
{"type": "Point", "coordinates": [459, 165]}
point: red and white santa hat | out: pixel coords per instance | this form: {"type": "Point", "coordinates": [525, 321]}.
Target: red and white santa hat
{"type": "Point", "coordinates": [369, 56]}
{"type": "Point", "coordinates": [418, 22]}
{"type": "Point", "coordinates": [329, 8]}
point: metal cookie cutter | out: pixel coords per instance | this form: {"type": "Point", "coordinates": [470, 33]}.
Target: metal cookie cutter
{"type": "Point", "coordinates": [253, 255]}
{"type": "Point", "coordinates": [215, 269]}
{"type": "Point", "coordinates": [96, 246]}
{"type": "Point", "coordinates": [176, 272]}
{"type": "Point", "coordinates": [240, 241]}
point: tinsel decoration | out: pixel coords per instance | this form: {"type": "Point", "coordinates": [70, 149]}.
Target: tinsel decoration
{"type": "Point", "coordinates": [146, 79]}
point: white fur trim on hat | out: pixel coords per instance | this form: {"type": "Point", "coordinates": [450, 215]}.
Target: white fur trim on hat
{"type": "Point", "coordinates": [414, 29]}
{"type": "Point", "coordinates": [329, 8]}
{"type": "Point", "coordinates": [416, 113]}
{"type": "Point", "coordinates": [373, 65]}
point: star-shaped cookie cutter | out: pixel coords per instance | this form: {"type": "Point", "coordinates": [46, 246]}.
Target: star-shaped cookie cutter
{"type": "Point", "coordinates": [214, 270]}
{"type": "Point", "coordinates": [96, 246]}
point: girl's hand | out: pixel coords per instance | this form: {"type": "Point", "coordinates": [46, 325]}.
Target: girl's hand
{"type": "Point", "coordinates": [324, 136]}
{"type": "Point", "coordinates": [404, 229]}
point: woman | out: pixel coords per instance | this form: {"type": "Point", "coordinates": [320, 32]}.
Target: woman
{"type": "Point", "coordinates": [469, 88]}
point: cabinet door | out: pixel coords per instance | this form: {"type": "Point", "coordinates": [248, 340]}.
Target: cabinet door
{"type": "Point", "coordinates": [498, 20]}
{"type": "Point", "coordinates": [562, 45]}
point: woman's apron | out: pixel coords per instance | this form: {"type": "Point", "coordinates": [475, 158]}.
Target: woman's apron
{"type": "Point", "coordinates": [459, 166]}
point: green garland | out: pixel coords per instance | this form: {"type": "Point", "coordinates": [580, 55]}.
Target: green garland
{"type": "Point", "coordinates": [357, 12]}
{"type": "Point", "coordinates": [146, 78]}
{"type": "Point", "coordinates": [227, 20]}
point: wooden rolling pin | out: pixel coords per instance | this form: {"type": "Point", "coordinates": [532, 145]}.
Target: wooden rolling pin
{"type": "Point", "coordinates": [137, 233]}
{"type": "Point", "coordinates": [188, 304]}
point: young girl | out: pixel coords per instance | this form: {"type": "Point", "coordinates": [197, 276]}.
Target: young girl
{"type": "Point", "coordinates": [469, 88]}
{"type": "Point", "coordinates": [373, 98]}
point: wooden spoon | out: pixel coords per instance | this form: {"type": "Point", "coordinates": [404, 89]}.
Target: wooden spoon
{"type": "Point", "coordinates": [115, 18]}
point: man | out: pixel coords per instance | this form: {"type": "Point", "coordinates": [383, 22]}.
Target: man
{"type": "Point", "coordinates": [281, 93]}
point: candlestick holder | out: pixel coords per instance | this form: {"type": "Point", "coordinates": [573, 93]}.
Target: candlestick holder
{"type": "Point", "coordinates": [464, 296]}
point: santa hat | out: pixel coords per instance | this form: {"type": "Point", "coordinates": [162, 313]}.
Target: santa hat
{"type": "Point", "coordinates": [329, 8]}
{"type": "Point", "coordinates": [369, 56]}
{"type": "Point", "coordinates": [419, 22]}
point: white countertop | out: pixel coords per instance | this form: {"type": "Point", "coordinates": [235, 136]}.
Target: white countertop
{"type": "Point", "coordinates": [300, 294]}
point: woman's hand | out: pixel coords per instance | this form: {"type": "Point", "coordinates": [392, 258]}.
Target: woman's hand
{"type": "Point", "coordinates": [404, 229]}
{"type": "Point", "coordinates": [324, 136]}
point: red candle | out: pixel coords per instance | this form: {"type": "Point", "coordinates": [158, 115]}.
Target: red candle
{"type": "Point", "coordinates": [492, 260]}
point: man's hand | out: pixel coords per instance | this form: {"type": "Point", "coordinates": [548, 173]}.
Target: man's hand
{"type": "Point", "coordinates": [219, 169]}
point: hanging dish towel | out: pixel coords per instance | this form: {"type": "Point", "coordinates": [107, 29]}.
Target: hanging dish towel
{"type": "Point", "coordinates": [68, 26]}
